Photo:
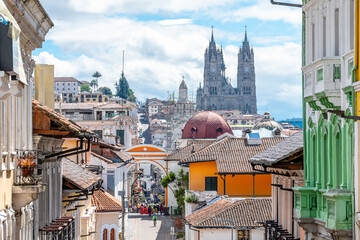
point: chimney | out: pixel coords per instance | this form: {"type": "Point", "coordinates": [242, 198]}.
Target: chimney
{"type": "Point", "coordinates": [253, 139]}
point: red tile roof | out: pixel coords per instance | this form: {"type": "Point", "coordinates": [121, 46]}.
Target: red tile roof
{"type": "Point", "coordinates": [244, 213]}
{"type": "Point", "coordinates": [62, 122]}
{"type": "Point", "coordinates": [232, 155]}
{"type": "Point", "coordinates": [190, 148]}
{"type": "Point", "coordinates": [105, 202]}
{"type": "Point", "coordinates": [78, 176]}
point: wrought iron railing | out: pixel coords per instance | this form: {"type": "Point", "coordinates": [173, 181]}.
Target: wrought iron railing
{"type": "Point", "coordinates": [274, 231]}
{"type": "Point", "coordinates": [62, 228]}
{"type": "Point", "coordinates": [28, 168]}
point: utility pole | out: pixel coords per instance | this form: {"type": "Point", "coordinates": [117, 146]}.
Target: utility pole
{"type": "Point", "coordinates": [123, 209]}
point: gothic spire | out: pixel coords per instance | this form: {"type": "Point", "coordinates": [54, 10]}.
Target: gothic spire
{"type": "Point", "coordinates": [212, 34]}
{"type": "Point", "coordinates": [245, 34]}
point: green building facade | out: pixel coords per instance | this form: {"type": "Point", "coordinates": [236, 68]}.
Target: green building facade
{"type": "Point", "coordinates": [324, 205]}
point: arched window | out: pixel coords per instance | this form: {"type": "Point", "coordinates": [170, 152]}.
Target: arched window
{"type": "Point", "coordinates": [105, 234]}
{"type": "Point", "coordinates": [112, 234]}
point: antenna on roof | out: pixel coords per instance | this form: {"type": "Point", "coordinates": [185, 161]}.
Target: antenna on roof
{"type": "Point", "coordinates": [123, 61]}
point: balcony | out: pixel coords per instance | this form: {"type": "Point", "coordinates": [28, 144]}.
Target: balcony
{"type": "Point", "coordinates": [322, 83]}
{"type": "Point", "coordinates": [27, 180]}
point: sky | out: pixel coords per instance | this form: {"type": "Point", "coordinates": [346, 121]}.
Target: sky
{"type": "Point", "coordinates": [164, 40]}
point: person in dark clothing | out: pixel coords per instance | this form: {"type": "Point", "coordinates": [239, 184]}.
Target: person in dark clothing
{"type": "Point", "coordinates": [149, 210]}
{"type": "Point", "coordinates": [161, 208]}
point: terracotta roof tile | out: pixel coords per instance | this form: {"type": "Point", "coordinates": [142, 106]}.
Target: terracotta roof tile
{"type": "Point", "coordinates": [63, 122]}
{"type": "Point", "coordinates": [78, 176]}
{"type": "Point", "coordinates": [232, 155]}
{"type": "Point", "coordinates": [193, 145]}
{"type": "Point", "coordinates": [287, 147]}
{"type": "Point", "coordinates": [243, 212]}
{"type": "Point", "coordinates": [105, 202]}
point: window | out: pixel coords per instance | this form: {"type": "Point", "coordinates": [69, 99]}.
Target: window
{"type": "Point", "coordinates": [105, 234]}
{"type": "Point", "coordinates": [98, 115]}
{"type": "Point", "coordinates": [210, 183]}
{"type": "Point", "coordinates": [109, 114]}
{"type": "Point", "coordinates": [320, 74]}
{"type": "Point", "coordinates": [243, 235]}
{"type": "Point", "coordinates": [213, 90]}
{"type": "Point", "coordinates": [337, 35]}
{"type": "Point", "coordinates": [120, 135]}
{"type": "Point", "coordinates": [112, 234]}
{"type": "Point", "coordinates": [312, 42]}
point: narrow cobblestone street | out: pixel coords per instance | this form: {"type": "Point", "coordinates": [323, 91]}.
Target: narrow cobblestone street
{"type": "Point", "coordinates": [140, 227]}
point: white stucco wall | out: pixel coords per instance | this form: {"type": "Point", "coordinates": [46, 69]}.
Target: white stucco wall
{"type": "Point", "coordinates": [97, 161]}
{"type": "Point", "coordinates": [218, 234]}
{"type": "Point", "coordinates": [225, 234]}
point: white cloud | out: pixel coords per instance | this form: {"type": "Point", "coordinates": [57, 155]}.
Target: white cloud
{"type": "Point", "coordinates": [159, 52]}
{"type": "Point", "coordinates": [144, 6]}
{"type": "Point", "coordinates": [175, 21]}
{"type": "Point", "coordinates": [262, 10]}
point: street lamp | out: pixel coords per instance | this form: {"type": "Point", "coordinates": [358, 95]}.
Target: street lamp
{"type": "Point", "coordinates": [232, 225]}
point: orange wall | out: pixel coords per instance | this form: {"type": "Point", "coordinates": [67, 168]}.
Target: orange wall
{"type": "Point", "coordinates": [240, 185]}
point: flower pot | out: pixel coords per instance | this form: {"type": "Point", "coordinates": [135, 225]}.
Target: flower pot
{"type": "Point", "coordinates": [25, 172]}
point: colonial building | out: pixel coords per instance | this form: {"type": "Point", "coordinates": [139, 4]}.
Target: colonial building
{"type": "Point", "coordinates": [285, 163]}
{"type": "Point", "coordinates": [114, 123]}
{"type": "Point", "coordinates": [66, 85]}
{"type": "Point", "coordinates": [29, 23]}
{"type": "Point", "coordinates": [217, 92]}
{"type": "Point", "coordinates": [324, 206]}
{"type": "Point", "coordinates": [183, 108]}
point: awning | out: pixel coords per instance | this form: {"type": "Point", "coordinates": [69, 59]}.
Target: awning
{"type": "Point", "coordinates": [14, 33]}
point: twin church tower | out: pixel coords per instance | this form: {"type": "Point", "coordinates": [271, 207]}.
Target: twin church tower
{"type": "Point", "coordinates": [217, 92]}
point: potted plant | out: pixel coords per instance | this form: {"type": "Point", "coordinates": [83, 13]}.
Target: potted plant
{"type": "Point", "coordinates": [27, 166]}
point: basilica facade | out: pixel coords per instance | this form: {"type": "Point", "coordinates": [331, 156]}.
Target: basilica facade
{"type": "Point", "coordinates": [217, 92]}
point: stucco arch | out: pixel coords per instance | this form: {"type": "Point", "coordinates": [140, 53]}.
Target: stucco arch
{"type": "Point", "coordinates": [150, 161]}
{"type": "Point", "coordinates": [144, 153]}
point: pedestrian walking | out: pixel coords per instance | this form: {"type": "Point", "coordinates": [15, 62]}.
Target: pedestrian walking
{"type": "Point", "coordinates": [154, 219]}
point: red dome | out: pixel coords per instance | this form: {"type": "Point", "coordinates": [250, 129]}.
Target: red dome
{"type": "Point", "coordinates": [205, 124]}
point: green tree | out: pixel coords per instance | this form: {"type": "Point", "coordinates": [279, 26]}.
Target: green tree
{"type": "Point", "coordinates": [122, 87]}
{"type": "Point", "coordinates": [85, 88]}
{"type": "Point", "coordinates": [177, 184]}
{"type": "Point", "coordinates": [105, 91]}
{"type": "Point", "coordinates": [95, 82]}
{"type": "Point", "coordinates": [131, 97]}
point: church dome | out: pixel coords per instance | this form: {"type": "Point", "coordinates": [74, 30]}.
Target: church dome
{"type": "Point", "coordinates": [205, 124]}
{"type": "Point", "coordinates": [268, 123]}
{"type": "Point", "coordinates": [183, 85]}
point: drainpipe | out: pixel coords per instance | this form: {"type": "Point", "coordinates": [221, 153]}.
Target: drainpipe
{"type": "Point", "coordinates": [73, 151]}
{"type": "Point", "coordinates": [198, 231]}
{"type": "Point", "coordinates": [77, 152]}
{"type": "Point", "coordinates": [286, 4]}
{"type": "Point", "coordinates": [292, 207]}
